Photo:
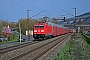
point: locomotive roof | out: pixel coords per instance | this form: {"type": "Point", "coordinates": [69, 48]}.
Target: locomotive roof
{"type": "Point", "coordinates": [50, 23]}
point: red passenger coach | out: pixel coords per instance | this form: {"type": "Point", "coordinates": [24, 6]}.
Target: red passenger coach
{"type": "Point", "coordinates": [70, 31]}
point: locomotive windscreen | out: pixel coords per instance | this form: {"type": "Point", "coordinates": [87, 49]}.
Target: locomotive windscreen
{"type": "Point", "coordinates": [39, 26]}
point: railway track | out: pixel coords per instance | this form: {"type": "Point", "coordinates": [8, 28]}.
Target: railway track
{"type": "Point", "coordinates": [11, 48]}
{"type": "Point", "coordinates": [38, 51]}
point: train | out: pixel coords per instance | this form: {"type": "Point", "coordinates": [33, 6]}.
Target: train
{"type": "Point", "coordinates": [46, 30]}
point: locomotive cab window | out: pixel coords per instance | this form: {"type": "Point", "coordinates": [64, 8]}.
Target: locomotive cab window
{"type": "Point", "coordinates": [39, 26]}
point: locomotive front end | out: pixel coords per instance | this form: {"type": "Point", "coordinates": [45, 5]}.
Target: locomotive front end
{"type": "Point", "coordinates": [39, 30]}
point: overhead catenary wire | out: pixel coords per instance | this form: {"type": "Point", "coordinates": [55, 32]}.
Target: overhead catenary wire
{"type": "Point", "coordinates": [66, 12]}
{"type": "Point", "coordinates": [52, 7]}
{"type": "Point", "coordinates": [38, 13]}
{"type": "Point", "coordinates": [25, 8]}
{"type": "Point", "coordinates": [62, 10]}
{"type": "Point", "coordinates": [29, 4]}
{"type": "Point", "coordinates": [17, 4]}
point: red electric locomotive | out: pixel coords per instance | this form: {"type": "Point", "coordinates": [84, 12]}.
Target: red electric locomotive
{"type": "Point", "coordinates": [42, 30]}
{"type": "Point", "coordinates": [47, 30]}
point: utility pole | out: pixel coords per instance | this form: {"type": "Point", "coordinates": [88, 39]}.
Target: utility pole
{"type": "Point", "coordinates": [20, 32]}
{"type": "Point", "coordinates": [74, 20]}
{"type": "Point", "coordinates": [28, 24]}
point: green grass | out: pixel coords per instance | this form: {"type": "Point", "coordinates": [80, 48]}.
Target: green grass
{"type": "Point", "coordinates": [86, 38]}
{"type": "Point", "coordinates": [78, 48]}
{"type": "Point", "coordinates": [5, 42]}
{"type": "Point", "coordinates": [66, 53]}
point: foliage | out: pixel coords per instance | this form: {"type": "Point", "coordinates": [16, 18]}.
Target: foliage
{"type": "Point", "coordinates": [76, 49]}
{"type": "Point", "coordinates": [26, 24]}
{"type": "Point", "coordinates": [66, 53]}
{"type": "Point", "coordinates": [6, 30]}
{"type": "Point", "coordinates": [1, 27]}
{"type": "Point", "coordinates": [14, 40]}
{"type": "Point", "coordinates": [4, 23]}
{"type": "Point", "coordinates": [10, 37]}
{"type": "Point", "coordinates": [13, 24]}
{"type": "Point", "coordinates": [86, 38]}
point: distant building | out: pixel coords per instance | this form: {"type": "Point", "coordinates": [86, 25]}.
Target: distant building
{"type": "Point", "coordinates": [30, 32]}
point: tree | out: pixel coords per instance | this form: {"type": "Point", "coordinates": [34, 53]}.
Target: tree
{"type": "Point", "coordinates": [26, 24]}
{"type": "Point", "coordinates": [4, 23]}
{"type": "Point", "coordinates": [1, 27]}
{"type": "Point", "coordinates": [13, 24]}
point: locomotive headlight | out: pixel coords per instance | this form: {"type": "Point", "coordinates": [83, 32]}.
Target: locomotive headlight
{"type": "Point", "coordinates": [35, 30]}
{"type": "Point", "coordinates": [42, 30]}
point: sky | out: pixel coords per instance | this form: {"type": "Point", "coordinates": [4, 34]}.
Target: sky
{"type": "Point", "coordinates": [13, 10]}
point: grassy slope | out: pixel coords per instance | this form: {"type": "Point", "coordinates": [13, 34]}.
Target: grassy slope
{"type": "Point", "coordinates": [76, 49]}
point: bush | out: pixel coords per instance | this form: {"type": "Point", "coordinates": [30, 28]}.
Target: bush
{"type": "Point", "coordinates": [10, 37]}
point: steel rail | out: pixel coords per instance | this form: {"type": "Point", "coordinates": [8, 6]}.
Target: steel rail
{"type": "Point", "coordinates": [34, 49]}
{"type": "Point", "coordinates": [39, 55]}
{"type": "Point", "coordinates": [11, 48]}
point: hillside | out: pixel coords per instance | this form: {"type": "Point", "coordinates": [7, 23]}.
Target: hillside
{"type": "Point", "coordinates": [83, 17]}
